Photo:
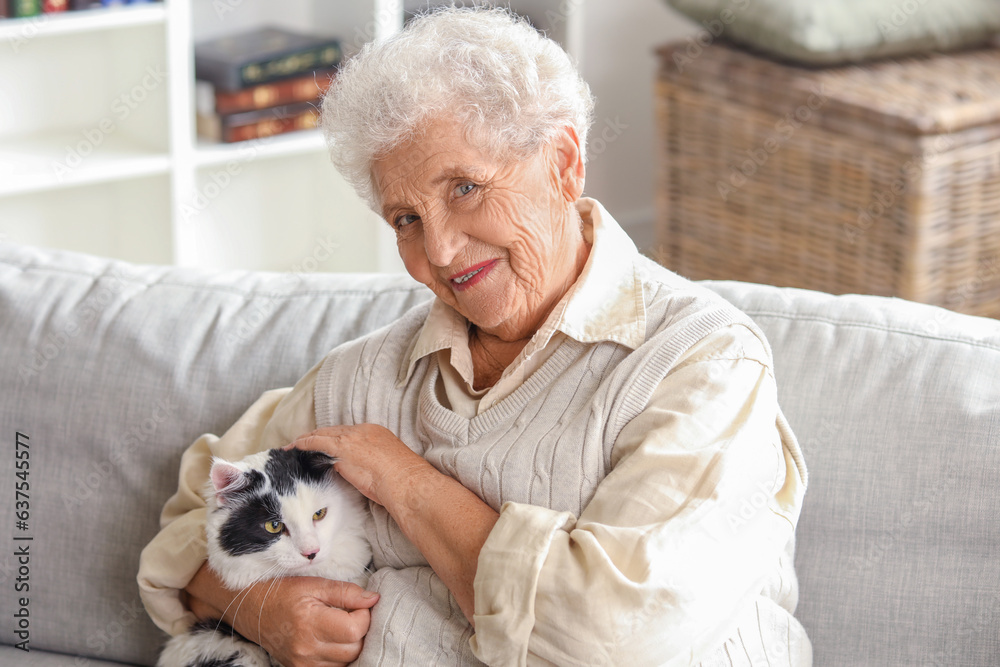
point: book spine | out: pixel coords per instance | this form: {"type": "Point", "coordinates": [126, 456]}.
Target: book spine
{"type": "Point", "coordinates": [21, 8]}
{"type": "Point", "coordinates": [286, 66]}
{"type": "Point", "coordinates": [4, 9]}
{"type": "Point", "coordinates": [268, 127]}
{"type": "Point", "coordinates": [53, 6]}
{"type": "Point", "coordinates": [301, 89]}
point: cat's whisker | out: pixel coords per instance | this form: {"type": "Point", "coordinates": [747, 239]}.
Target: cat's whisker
{"type": "Point", "coordinates": [245, 592]}
{"type": "Point", "coordinates": [260, 616]}
{"type": "Point", "coordinates": [239, 597]}
{"type": "Point", "coordinates": [218, 636]}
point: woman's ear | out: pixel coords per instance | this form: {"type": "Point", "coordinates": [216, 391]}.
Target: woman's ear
{"type": "Point", "coordinates": [569, 161]}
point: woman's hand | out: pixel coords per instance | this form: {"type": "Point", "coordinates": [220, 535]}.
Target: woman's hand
{"type": "Point", "coordinates": [448, 523]}
{"type": "Point", "coordinates": [298, 620]}
{"type": "Point", "coordinates": [371, 458]}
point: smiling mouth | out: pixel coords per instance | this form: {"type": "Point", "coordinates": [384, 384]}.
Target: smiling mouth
{"type": "Point", "coordinates": [466, 280]}
{"type": "Point", "coordinates": [467, 277]}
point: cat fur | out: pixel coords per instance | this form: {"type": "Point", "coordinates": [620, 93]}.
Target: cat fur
{"type": "Point", "coordinates": [289, 486]}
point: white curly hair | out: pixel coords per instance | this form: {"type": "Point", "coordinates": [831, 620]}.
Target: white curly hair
{"type": "Point", "coordinates": [511, 88]}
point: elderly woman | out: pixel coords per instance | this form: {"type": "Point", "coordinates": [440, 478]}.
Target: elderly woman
{"type": "Point", "coordinates": [573, 455]}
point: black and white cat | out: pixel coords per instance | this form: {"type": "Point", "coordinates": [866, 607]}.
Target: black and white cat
{"type": "Point", "coordinates": [274, 514]}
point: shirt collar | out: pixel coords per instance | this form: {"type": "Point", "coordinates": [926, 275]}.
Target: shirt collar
{"type": "Point", "coordinates": [605, 304]}
{"type": "Point", "coordinates": [444, 329]}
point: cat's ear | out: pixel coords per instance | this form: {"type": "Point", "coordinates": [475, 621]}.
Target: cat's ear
{"type": "Point", "coordinates": [318, 460]}
{"type": "Point", "coordinates": [227, 478]}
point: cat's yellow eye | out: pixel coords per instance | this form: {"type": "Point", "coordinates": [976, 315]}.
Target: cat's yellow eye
{"type": "Point", "coordinates": [319, 515]}
{"type": "Point", "coordinates": [274, 527]}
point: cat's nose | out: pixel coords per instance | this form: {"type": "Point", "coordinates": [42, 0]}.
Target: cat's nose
{"type": "Point", "coordinates": [310, 554]}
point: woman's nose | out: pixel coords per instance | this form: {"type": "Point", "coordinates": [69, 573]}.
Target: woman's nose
{"type": "Point", "coordinates": [443, 241]}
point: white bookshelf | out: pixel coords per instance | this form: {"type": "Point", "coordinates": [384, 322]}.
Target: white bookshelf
{"type": "Point", "coordinates": [98, 151]}
{"type": "Point", "coordinates": [77, 22]}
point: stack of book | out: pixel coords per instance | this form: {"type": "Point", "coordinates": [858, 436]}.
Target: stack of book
{"type": "Point", "coordinates": [263, 82]}
{"type": "Point", "coordinates": [23, 8]}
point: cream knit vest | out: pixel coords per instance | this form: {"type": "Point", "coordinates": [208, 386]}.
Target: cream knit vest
{"type": "Point", "coordinates": [549, 443]}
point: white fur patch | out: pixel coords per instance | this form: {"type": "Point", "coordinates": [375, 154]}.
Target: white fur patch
{"type": "Point", "coordinates": [203, 648]}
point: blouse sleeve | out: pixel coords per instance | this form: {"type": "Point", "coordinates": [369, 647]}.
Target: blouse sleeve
{"type": "Point", "coordinates": [686, 529]}
{"type": "Point", "coordinates": [171, 559]}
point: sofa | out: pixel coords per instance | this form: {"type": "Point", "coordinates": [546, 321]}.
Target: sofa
{"type": "Point", "coordinates": [110, 370]}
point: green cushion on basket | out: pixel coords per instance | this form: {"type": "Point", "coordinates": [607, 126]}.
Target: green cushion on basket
{"type": "Point", "coordinates": [825, 32]}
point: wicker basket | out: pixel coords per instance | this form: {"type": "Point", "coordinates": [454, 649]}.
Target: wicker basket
{"type": "Point", "coordinates": [879, 179]}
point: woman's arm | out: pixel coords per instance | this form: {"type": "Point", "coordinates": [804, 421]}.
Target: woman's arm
{"type": "Point", "coordinates": [448, 523]}
{"type": "Point", "coordinates": [298, 620]}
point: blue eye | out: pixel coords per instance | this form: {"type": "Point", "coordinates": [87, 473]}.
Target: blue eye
{"type": "Point", "coordinates": [464, 189]}
{"type": "Point", "coordinates": [404, 220]}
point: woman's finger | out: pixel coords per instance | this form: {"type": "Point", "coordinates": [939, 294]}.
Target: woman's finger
{"type": "Point", "coordinates": [342, 594]}
{"type": "Point", "coordinates": [342, 627]}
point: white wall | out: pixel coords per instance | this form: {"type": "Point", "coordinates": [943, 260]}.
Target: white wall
{"type": "Point", "coordinates": [619, 63]}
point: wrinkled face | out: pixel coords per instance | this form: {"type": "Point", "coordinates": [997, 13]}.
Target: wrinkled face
{"type": "Point", "coordinates": [500, 242]}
